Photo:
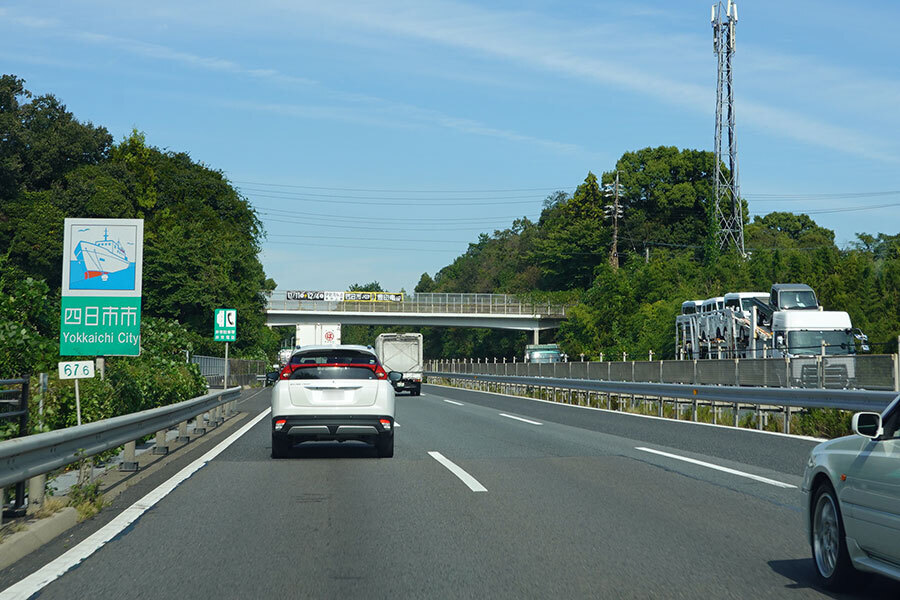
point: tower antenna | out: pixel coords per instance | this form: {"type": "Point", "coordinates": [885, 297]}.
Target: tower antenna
{"type": "Point", "coordinates": [728, 208]}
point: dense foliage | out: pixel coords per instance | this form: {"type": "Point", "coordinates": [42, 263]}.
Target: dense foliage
{"type": "Point", "coordinates": [201, 241]}
{"type": "Point", "coordinates": [201, 238]}
{"type": "Point", "coordinates": [667, 256]}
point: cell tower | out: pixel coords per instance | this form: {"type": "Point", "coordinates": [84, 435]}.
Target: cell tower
{"type": "Point", "coordinates": [729, 212]}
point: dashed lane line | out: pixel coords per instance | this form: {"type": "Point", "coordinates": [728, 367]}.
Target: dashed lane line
{"type": "Point", "coordinates": [694, 461]}
{"type": "Point", "coordinates": [470, 481]}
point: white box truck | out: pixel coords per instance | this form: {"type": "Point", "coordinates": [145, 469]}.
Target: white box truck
{"type": "Point", "coordinates": [402, 352]}
{"type": "Point", "coordinates": [317, 334]}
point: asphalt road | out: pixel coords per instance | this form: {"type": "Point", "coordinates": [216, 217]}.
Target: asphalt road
{"type": "Point", "coordinates": [577, 503]}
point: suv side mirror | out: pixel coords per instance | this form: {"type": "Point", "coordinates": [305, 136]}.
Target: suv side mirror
{"type": "Point", "coordinates": [867, 424]}
{"type": "Point", "coordinates": [395, 376]}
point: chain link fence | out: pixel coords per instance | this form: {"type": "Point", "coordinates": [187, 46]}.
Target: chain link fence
{"type": "Point", "coordinates": [240, 371]}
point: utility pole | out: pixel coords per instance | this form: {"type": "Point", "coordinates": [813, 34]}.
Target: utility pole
{"type": "Point", "coordinates": [729, 212]}
{"type": "Point", "coordinates": [614, 211]}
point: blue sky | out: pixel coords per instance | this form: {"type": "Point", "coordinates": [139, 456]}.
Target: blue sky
{"type": "Point", "coordinates": [378, 138]}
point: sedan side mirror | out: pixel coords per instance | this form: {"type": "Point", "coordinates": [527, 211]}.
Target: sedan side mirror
{"type": "Point", "coordinates": [867, 424]}
{"type": "Point", "coordinates": [395, 376]}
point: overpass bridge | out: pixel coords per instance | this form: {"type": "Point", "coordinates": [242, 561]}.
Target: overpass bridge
{"type": "Point", "coordinates": [494, 311]}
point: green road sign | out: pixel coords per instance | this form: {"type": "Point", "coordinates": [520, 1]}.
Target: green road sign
{"type": "Point", "coordinates": [225, 326]}
{"type": "Point", "coordinates": [100, 326]}
{"type": "Point", "coordinates": [102, 265]}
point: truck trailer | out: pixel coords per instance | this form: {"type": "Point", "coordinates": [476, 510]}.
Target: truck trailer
{"type": "Point", "coordinates": [402, 352]}
{"type": "Point", "coordinates": [317, 334]}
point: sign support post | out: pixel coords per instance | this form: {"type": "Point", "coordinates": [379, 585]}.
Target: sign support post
{"type": "Point", "coordinates": [225, 330]}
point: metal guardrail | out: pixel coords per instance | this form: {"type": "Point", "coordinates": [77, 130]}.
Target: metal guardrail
{"type": "Point", "coordinates": [680, 395]}
{"type": "Point", "coordinates": [29, 456]}
{"type": "Point", "coordinates": [490, 304]}
{"type": "Point", "coordinates": [853, 400]}
{"type": "Point", "coordinates": [864, 371]}
{"type": "Point", "coordinates": [14, 406]}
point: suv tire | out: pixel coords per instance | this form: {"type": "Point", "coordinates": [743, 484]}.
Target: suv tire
{"type": "Point", "coordinates": [384, 445]}
{"type": "Point", "coordinates": [280, 446]}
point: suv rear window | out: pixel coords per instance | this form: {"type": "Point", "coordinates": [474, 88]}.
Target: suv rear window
{"type": "Point", "coordinates": [333, 373]}
{"type": "Point", "coordinates": [333, 357]}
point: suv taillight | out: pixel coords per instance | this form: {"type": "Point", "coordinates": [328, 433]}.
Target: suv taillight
{"type": "Point", "coordinates": [286, 372]}
{"type": "Point", "coordinates": [380, 373]}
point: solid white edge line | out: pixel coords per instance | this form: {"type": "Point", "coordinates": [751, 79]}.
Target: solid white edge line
{"type": "Point", "coordinates": [467, 479]}
{"type": "Point", "coordinates": [628, 414]}
{"type": "Point", "coordinates": [34, 583]}
{"type": "Point", "coordinates": [719, 468]}
{"type": "Point", "coordinates": [453, 402]}
{"type": "Point", "coordinates": [396, 424]}
{"type": "Point", "coordinates": [520, 419]}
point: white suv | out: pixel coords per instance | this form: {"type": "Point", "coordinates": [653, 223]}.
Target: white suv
{"type": "Point", "coordinates": [333, 393]}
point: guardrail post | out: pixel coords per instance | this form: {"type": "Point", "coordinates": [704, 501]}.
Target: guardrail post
{"type": "Point", "coordinates": [129, 463]}
{"type": "Point", "coordinates": [694, 410]}
{"type": "Point", "coordinates": [199, 426]}
{"type": "Point", "coordinates": [36, 486]}
{"type": "Point", "coordinates": [759, 417]}
{"type": "Point", "coordinates": [161, 447]}
{"type": "Point", "coordinates": [659, 406]}
{"type": "Point", "coordinates": [787, 419]}
{"type": "Point", "coordinates": [897, 368]}
{"type": "Point", "coordinates": [219, 418]}
{"type": "Point", "coordinates": [182, 433]}
{"type": "Point", "coordinates": [737, 416]}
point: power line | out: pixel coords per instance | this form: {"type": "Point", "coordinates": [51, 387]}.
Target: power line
{"type": "Point", "coordinates": [293, 213]}
{"type": "Point", "coordinates": [388, 191]}
{"type": "Point", "coordinates": [408, 202]}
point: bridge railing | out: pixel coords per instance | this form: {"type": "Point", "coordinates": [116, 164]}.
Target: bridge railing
{"type": "Point", "coordinates": [490, 304]}
{"type": "Point", "coordinates": [864, 371]}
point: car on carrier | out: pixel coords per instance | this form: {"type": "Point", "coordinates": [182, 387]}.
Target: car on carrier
{"type": "Point", "coordinates": [851, 493]}
{"type": "Point", "coordinates": [334, 393]}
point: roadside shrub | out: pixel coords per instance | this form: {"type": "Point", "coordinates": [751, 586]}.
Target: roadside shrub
{"type": "Point", "coordinates": [822, 422]}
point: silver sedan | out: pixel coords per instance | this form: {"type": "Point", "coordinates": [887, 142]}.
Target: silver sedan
{"type": "Point", "coordinates": [851, 490]}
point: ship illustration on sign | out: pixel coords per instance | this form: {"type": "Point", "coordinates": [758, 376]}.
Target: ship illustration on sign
{"type": "Point", "coordinates": [102, 257]}
{"type": "Point", "coordinates": [102, 264]}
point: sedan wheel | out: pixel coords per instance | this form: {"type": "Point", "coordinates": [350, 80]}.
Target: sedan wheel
{"type": "Point", "coordinates": [828, 545]}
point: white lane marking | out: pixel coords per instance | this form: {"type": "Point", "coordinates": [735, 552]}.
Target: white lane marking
{"type": "Point", "coordinates": [453, 402]}
{"type": "Point", "coordinates": [720, 468]}
{"type": "Point", "coordinates": [396, 424]}
{"type": "Point", "coordinates": [251, 396]}
{"type": "Point", "coordinates": [456, 470]}
{"type": "Point", "coordinates": [520, 419]}
{"type": "Point", "coordinates": [34, 583]}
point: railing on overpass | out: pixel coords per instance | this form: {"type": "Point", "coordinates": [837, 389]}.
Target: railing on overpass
{"type": "Point", "coordinates": [489, 304]}
{"type": "Point", "coordinates": [864, 371]}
